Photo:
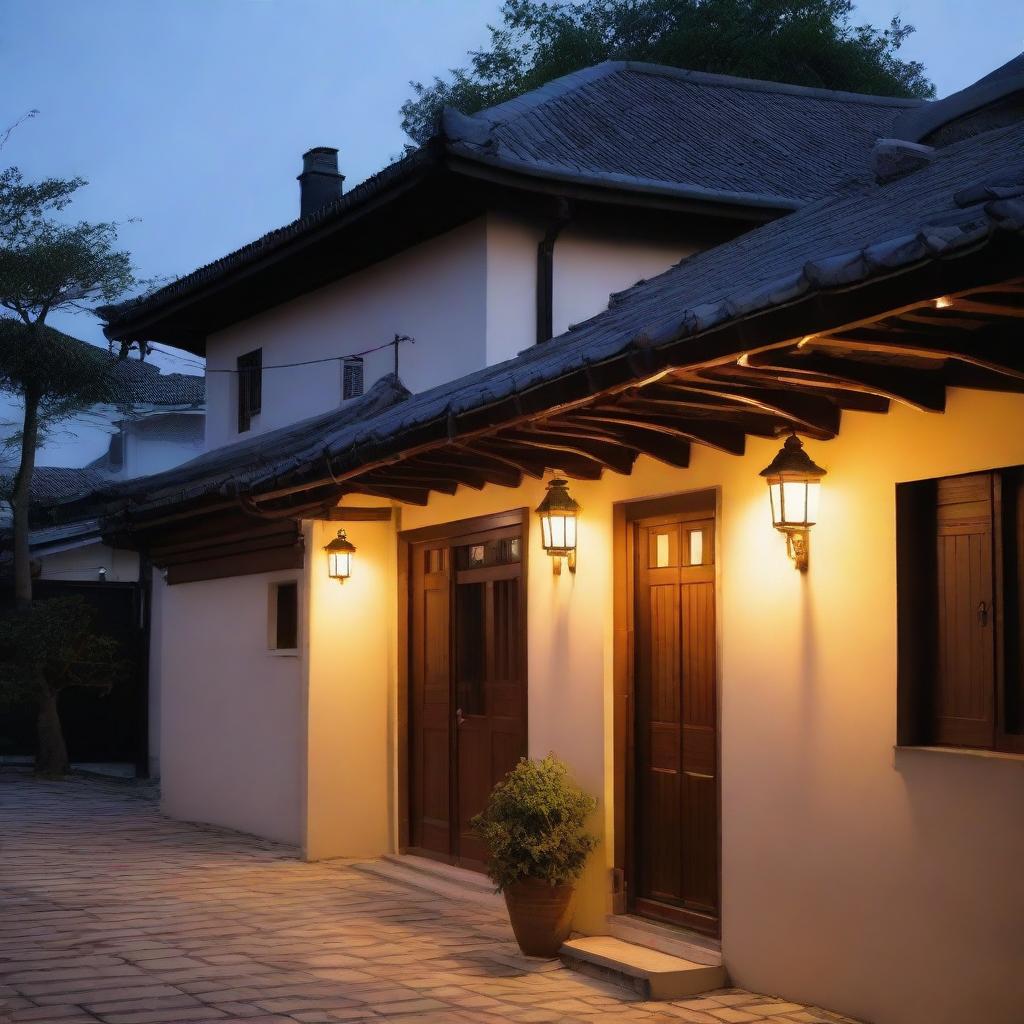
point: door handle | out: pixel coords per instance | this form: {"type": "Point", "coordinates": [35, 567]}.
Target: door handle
{"type": "Point", "coordinates": [459, 719]}
{"type": "Point", "coordinates": [982, 613]}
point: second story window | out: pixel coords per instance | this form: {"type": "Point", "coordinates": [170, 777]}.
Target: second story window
{"type": "Point", "coordinates": [351, 377]}
{"type": "Point", "coordinates": [250, 388]}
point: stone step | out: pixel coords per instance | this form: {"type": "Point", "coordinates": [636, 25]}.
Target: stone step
{"type": "Point", "coordinates": [441, 879]}
{"type": "Point", "coordinates": [666, 938]}
{"type": "Point", "coordinates": [651, 974]}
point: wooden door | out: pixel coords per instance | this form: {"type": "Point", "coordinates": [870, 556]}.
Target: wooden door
{"type": "Point", "coordinates": [676, 845]}
{"type": "Point", "coordinates": [964, 711]}
{"type": "Point", "coordinates": [467, 684]}
{"type": "Point", "coordinates": [430, 697]}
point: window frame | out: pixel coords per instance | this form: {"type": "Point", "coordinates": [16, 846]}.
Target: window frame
{"type": "Point", "coordinates": [249, 373]}
{"type": "Point", "coordinates": [273, 617]}
{"type": "Point", "coordinates": [353, 378]}
{"type": "Point", "coordinates": [918, 596]}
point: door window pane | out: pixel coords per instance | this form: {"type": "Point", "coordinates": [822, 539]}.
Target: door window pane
{"type": "Point", "coordinates": [470, 656]}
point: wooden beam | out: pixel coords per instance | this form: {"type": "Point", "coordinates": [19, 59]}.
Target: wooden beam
{"type": "Point", "coordinates": [530, 459]}
{"type": "Point", "coordinates": [921, 389]}
{"type": "Point", "coordinates": [408, 495]}
{"type": "Point", "coordinates": [817, 417]}
{"type": "Point", "coordinates": [463, 460]}
{"type": "Point", "coordinates": [723, 436]}
{"type": "Point", "coordinates": [358, 514]}
{"type": "Point", "coordinates": [658, 444]}
{"type": "Point", "coordinates": [608, 453]}
{"type": "Point", "coordinates": [989, 353]}
{"type": "Point", "coordinates": [845, 397]}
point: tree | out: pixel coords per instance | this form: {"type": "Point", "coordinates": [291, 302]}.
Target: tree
{"type": "Point", "coordinates": [48, 265]}
{"type": "Point", "coordinates": [802, 42]}
{"type": "Point", "coordinates": [45, 648]}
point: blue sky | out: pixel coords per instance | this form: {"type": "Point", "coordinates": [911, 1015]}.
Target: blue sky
{"type": "Point", "coordinates": [192, 115]}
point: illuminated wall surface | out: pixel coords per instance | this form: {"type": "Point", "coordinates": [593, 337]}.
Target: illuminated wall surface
{"type": "Point", "coordinates": [884, 884]}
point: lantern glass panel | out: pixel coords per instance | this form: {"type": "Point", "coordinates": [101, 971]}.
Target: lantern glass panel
{"type": "Point", "coordinates": [339, 564]}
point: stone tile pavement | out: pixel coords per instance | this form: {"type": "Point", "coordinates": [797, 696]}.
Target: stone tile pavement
{"type": "Point", "coordinates": [110, 912]}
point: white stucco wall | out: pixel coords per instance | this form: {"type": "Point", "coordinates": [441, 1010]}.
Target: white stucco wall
{"type": "Point", "coordinates": [884, 884]}
{"type": "Point", "coordinates": [160, 442]}
{"type": "Point", "coordinates": [468, 297]}
{"type": "Point", "coordinates": [434, 292]}
{"type": "Point", "coordinates": [231, 712]}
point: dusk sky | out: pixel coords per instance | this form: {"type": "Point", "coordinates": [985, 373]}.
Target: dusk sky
{"type": "Point", "coordinates": [192, 115]}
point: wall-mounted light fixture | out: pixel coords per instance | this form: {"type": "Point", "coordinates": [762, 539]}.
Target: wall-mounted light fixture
{"type": "Point", "coordinates": [794, 484]}
{"type": "Point", "coordinates": [558, 514]}
{"type": "Point", "coordinates": [339, 557]}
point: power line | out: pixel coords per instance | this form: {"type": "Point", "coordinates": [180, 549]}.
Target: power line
{"type": "Point", "coordinates": [398, 340]}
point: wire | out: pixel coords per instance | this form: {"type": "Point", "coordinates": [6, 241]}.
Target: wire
{"type": "Point", "coordinates": [399, 338]}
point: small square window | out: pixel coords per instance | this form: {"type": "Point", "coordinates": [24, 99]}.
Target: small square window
{"type": "Point", "coordinates": [284, 617]}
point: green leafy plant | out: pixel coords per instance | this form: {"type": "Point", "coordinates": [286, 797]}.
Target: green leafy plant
{"type": "Point", "coordinates": [533, 825]}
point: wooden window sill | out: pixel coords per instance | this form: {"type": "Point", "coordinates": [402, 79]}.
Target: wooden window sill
{"type": "Point", "coordinates": [990, 755]}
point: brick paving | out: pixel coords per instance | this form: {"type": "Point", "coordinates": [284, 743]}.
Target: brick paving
{"type": "Point", "coordinates": [110, 912]}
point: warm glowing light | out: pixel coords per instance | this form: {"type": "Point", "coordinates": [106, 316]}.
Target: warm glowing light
{"type": "Point", "coordinates": [943, 302]}
{"type": "Point", "coordinates": [794, 489]}
{"type": "Point", "coordinates": [558, 514]}
{"type": "Point", "coordinates": [744, 360]}
{"type": "Point", "coordinates": [339, 557]}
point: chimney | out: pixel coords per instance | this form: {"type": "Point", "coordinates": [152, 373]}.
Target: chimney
{"type": "Point", "coordinates": [320, 182]}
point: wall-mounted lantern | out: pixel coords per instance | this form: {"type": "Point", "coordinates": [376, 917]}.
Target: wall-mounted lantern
{"type": "Point", "coordinates": [794, 483]}
{"type": "Point", "coordinates": [339, 557]}
{"type": "Point", "coordinates": [558, 514]}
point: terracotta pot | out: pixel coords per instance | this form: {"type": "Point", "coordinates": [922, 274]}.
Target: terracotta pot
{"type": "Point", "coordinates": [541, 915]}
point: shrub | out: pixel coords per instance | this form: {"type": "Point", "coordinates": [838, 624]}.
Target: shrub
{"type": "Point", "coordinates": [533, 825]}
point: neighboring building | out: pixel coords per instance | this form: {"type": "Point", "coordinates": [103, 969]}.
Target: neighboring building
{"type": "Point", "coordinates": [158, 425]}
{"type": "Point", "coordinates": [818, 772]}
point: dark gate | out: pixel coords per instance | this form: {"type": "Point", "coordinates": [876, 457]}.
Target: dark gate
{"type": "Point", "coordinates": [97, 728]}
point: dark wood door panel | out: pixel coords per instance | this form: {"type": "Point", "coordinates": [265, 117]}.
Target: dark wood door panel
{"type": "Point", "coordinates": [676, 848]}
{"type": "Point", "coordinates": [467, 684]}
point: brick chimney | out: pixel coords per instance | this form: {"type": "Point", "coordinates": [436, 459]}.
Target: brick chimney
{"type": "Point", "coordinates": [320, 182]}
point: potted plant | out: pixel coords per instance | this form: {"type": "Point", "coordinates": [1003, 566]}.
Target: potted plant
{"type": "Point", "coordinates": [533, 827]}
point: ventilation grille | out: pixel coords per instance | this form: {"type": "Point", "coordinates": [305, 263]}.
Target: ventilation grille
{"type": "Point", "coordinates": [351, 377]}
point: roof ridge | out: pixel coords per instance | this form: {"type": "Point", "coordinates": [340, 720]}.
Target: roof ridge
{"type": "Point", "coordinates": [552, 90]}
{"type": "Point", "coordinates": [766, 85]}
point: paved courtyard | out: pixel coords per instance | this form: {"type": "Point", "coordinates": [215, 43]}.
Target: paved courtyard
{"type": "Point", "coordinates": [110, 912]}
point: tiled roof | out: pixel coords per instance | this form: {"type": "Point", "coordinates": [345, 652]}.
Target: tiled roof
{"type": "Point", "coordinates": [54, 484]}
{"type": "Point", "coordinates": [144, 384]}
{"type": "Point", "coordinates": [970, 193]}
{"type": "Point", "coordinates": [648, 126]}
{"type": "Point", "coordinates": [626, 126]}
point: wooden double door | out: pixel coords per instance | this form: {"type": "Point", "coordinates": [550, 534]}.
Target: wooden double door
{"type": "Point", "coordinates": [675, 803]}
{"type": "Point", "coordinates": [467, 683]}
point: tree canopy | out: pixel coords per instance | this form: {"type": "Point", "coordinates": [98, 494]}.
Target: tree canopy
{"type": "Point", "coordinates": [801, 42]}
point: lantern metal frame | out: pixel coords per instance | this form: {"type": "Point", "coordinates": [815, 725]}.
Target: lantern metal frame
{"type": "Point", "coordinates": [792, 465]}
{"type": "Point", "coordinates": [340, 546]}
{"type": "Point", "coordinates": [559, 502]}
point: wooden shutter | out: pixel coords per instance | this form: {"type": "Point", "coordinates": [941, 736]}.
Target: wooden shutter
{"type": "Point", "coordinates": [250, 388]}
{"type": "Point", "coordinates": [965, 662]}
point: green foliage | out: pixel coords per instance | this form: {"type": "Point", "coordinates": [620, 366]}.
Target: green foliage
{"type": "Point", "coordinates": [53, 644]}
{"type": "Point", "coordinates": [803, 42]}
{"type": "Point", "coordinates": [533, 825]}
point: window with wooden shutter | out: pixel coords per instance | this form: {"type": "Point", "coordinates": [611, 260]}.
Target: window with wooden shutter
{"type": "Point", "coordinates": [960, 574]}
{"type": "Point", "coordinates": [250, 388]}
{"type": "Point", "coordinates": [351, 377]}
{"type": "Point", "coordinates": [285, 616]}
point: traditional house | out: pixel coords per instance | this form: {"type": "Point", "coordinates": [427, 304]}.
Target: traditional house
{"type": "Point", "coordinates": [808, 767]}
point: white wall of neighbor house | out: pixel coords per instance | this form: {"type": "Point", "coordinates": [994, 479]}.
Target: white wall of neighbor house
{"type": "Point", "coordinates": [884, 884]}
{"type": "Point", "coordinates": [231, 710]}
{"type": "Point", "coordinates": [159, 442]}
{"type": "Point", "coordinates": [434, 292]}
{"type": "Point", "coordinates": [84, 563]}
